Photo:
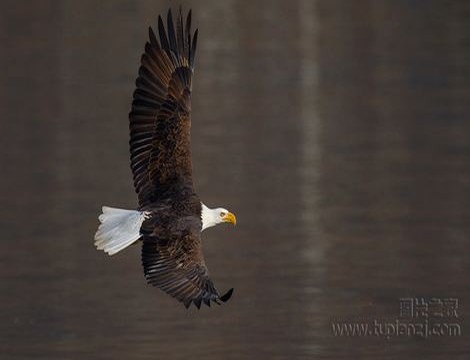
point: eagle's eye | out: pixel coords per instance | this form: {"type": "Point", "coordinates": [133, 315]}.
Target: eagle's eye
{"type": "Point", "coordinates": [222, 214]}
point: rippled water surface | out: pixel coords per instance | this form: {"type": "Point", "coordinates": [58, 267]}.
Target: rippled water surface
{"type": "Point", "coordinates": [337, 131]}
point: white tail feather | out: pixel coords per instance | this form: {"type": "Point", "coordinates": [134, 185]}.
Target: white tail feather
{"type": "Point", "coordinates": [119, 228]}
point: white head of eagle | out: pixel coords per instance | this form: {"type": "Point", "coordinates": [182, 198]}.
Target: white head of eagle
{"type": "Point", "coordinates": [212, 217]}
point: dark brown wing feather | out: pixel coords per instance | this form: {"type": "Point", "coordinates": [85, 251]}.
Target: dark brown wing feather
{"type": "Point", "coordinates": [176, 265]}
{"type": "Point", "coordinates": [160, 117]}
{"type": "Point", "coordinates": [160, 123]}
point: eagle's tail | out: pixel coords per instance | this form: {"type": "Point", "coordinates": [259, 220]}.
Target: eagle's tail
{"type": "Point", "coordinates": [119, 228]}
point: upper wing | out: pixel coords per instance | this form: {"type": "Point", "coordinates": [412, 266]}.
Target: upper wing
{"type": "Point", "coordinates": [177, 267]}
{"type": "Point", "coordinates": [160, 116]}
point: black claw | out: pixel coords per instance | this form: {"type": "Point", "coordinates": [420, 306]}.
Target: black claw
{"type": "Point", "coordinates": [227, 295]}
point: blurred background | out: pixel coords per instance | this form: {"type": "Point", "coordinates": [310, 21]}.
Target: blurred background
{"type": "Point", "coordinates": [338, 132]}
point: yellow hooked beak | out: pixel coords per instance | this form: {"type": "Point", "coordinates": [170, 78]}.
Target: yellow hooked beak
{"type": "Point", "coordinates": [230, 218]}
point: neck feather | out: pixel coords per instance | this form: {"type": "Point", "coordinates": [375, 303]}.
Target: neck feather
{"type": "Point", "coordinates": [208, 217]}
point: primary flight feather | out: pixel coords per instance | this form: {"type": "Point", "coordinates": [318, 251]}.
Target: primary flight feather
{"type": "Point", "coordinates": [170, 217]}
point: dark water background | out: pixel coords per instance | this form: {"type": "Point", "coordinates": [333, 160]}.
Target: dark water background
{"type": "Point", "coordinates": [337, 131]}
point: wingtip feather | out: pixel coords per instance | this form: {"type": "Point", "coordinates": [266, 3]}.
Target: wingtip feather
{"type": "Point", "coordinates": [153, 38]}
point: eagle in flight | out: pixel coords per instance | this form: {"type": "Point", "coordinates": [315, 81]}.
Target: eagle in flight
{"type": "Point", "coordinates": [170, 217]}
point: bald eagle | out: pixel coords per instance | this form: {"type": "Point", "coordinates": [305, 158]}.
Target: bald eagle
{"type": "Point", "coordinates": [170, 216]}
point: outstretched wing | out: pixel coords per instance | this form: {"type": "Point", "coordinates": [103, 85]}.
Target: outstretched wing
{"type": "Point", "coordinates": [160, 119]}
{"type": "Point", "coordinates": [177, 267]}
